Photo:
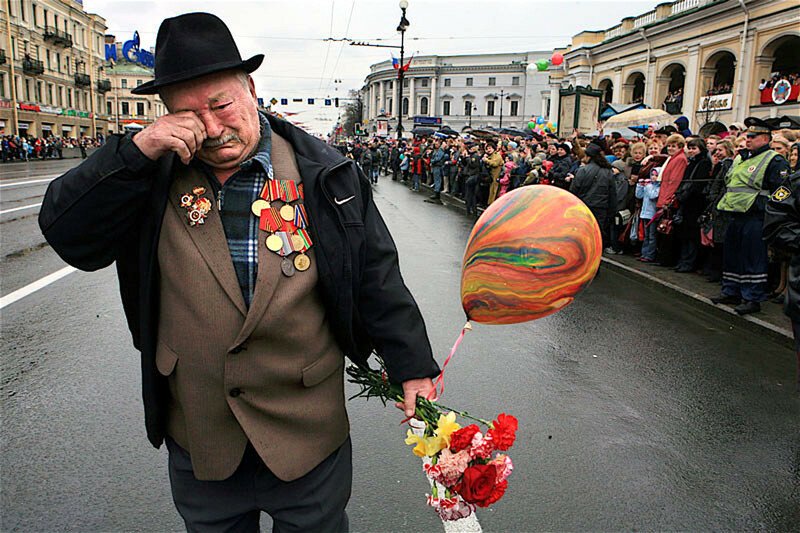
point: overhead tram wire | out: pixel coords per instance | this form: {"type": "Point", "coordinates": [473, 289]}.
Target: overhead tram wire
{"type": "Point", "coordinates": [328, 47]}
{"type": "Point", "coordinates": [346, 31]}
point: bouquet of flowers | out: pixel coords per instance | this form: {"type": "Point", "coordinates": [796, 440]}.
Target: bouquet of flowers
{"type": "Point", "coordinates": [463, 463]}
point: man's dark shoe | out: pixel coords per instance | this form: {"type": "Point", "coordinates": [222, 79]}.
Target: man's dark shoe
{"type": "Point", "coordinates": [746, 308]}
{"type": "Point", "coordinates": [722, 299]}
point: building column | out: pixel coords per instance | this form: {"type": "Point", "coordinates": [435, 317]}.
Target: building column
{"type": "Point", "coordinates": [650, 85]}
{"type": "Point", "coordinates": [617, 91]}
{"type": "Point", "coordinates": [411, 97]}
{"type": "Point", "coordinates": [690, 84]}
{"type": "Point", "coordinates": [755, 68]}
{"type": "Point", "coordinates": [554, 101]}
{"type": "Point", "coordinates": [432, 105]}
{"type": "Point", "coordinates": [382, 96]}
{"type": "Point", "coordinates": [373, 91]}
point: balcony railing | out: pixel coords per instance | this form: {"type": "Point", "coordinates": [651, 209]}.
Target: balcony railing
{"type": "Point", "coordinates": [32, 66]}
{"type": "Point", "coordinates": [103, 86]}
{"type": "Point", "coordinates": [616, 31]}
{"type": "Point", "coordinates": [686, 5]}
{"type": "Point", "coordinates": [644, 20]}
{"type": "Point", "coordinates": [83, 80]}
{"type": "Point", "coordinates": [2, 57]}
{"type": "Point", "coordinates": [57, 37]}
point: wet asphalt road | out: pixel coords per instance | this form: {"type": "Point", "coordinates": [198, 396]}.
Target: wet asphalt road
{"type": "Point", "coordinates": [638, 409]}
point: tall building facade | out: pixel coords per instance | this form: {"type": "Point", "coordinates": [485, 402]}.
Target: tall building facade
{"type": "Point", "coordinates": [463, 91]}
{"type": "Point", "coordinates": [69, 77]}
{"type": "Point", "coordinates": [51, 55]}
{"type": "Point", "coordinates": [710, 60]}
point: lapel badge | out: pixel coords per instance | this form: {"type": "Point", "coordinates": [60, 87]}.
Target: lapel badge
{"type": "Point", "coordinates": [196, 210]}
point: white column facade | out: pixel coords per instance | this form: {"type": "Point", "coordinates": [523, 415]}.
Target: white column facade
{"type": "Point", "coordinates": [690, 84]}
{"type": "Point", "coordinates": [411, 97]}
{"type": "Point", "coordinates": [617, 91]}
{"type": "Point", "coordinates": [432, 105]}
{"type": "Point", "coordinates": [554, 101]}
{"type": "Point", "coordinates": [382, 96]}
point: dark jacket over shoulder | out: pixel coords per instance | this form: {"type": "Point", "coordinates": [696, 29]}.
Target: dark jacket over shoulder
{"type": "Point", "coordinates": [782, 231]}
{"type": "Point", "coordinates": [110, 209]}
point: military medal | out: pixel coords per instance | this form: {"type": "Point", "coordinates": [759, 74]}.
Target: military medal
{"type": "Point", "coordinates": [258, 206]}
{"type": "Point", "coordinates": [286, 225]}
{"type": "Point", "coordinates": [287, 267]}
{"type": "Point", "coordinates": [287, 213]}
{"type": "Point", "coordinates": [302, 262]}
{"type": "Point", "coordinates": [274, 243]}
{"type": "Point", "coordinates": [196, 210]}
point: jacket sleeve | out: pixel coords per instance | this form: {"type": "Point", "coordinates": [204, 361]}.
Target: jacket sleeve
{"type": "Point", "coordinates": [87, 212]}
{"type": "Point", "coordinates": [386, 307]}
{"type": "Point", "coordinates": [782, 219]}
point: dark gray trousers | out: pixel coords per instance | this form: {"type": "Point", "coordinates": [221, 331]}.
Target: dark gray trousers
{"type": "Point", "coordinates": [315, 502]}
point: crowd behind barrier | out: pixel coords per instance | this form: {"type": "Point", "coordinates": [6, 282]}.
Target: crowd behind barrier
{"type": "Point", "coordinates": [654, 195]}
{"type": "Point", "coordinates": [29, 148]}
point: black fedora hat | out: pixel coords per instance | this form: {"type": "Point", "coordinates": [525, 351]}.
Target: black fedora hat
{"type": "Point", "coordinates": [193, 45]}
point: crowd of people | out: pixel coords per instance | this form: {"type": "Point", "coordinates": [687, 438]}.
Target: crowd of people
{"type": "Point", "coordinates": [663, 196]}
{"type": "Point", "coordinates": [27, 148]}
{"type": "Point", "coordinates": [673, 100]}
{"type": "Point", "coordinates": [793, 78]}
{"type": "Point", "coordinates": [722, 88]}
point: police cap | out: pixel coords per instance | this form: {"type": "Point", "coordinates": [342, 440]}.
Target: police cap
{"type": "Point", "coordinates": [757, 126]}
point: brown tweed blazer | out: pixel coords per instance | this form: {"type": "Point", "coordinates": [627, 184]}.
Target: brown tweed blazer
{"type": "Point", "coordinates": [271, 375]}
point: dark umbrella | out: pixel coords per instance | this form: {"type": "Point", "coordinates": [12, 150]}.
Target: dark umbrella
{"type": "Point", "coordinates": [419, 130]}
{"type": "Point", "coordinates": [512, 132]}
{"type": "Point", "coordinates": [447, 130]}
{"type": "Point", "coordinates": [791, 122]}
{"type": "Point", "coordinates": [712, 128]}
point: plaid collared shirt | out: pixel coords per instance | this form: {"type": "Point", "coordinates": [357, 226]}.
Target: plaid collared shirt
{"type": "Point", "coordinates": [235, 198]}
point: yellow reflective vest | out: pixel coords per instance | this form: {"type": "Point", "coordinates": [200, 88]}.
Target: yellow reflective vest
{"type": "Point", "coordinates": [744, 182]}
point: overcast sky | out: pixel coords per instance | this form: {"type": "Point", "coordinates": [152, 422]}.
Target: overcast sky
{"type": "Point", "coordinates": [301, 64]}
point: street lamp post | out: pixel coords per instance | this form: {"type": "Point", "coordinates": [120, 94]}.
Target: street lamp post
{"type": "Point", "coordinates": [404, 23]}
{"type": "Point", "coordinates": [501, 106]}
{"type": "Point", "coordinates": [471, 109]}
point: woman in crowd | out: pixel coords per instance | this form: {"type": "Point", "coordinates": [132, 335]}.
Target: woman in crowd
{"type": "Point", "coordinates": [562, 163]}
{"type": "Point", "coordinates": [722, 160]}
{"type": "Point", "coordinates": [671, 177]}
{"type": "Point", "coordinates": [691, 203]}
{"type": "Point", "coordinates": [594, 185]}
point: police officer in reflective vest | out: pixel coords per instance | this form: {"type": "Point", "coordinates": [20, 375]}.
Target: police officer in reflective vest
{"type": "Point", "coordinates": [751, 180]}
{"type": "Point", "coordinates": [782, 231]}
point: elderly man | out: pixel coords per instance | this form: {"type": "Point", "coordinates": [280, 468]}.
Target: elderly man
{"type": "Point", "coordinates": [753, 177]}
{"type": "Point", "coordinates": [251, 260]}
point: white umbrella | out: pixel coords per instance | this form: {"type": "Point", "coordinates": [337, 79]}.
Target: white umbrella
{"type": "Point", "coordinates": [638, 117]}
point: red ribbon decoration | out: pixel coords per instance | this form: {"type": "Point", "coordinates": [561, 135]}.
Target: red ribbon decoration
{"type": "Point", "coordinates": [436, 392]}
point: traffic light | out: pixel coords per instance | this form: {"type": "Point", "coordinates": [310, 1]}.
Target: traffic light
{"type": "Point", "coordinates": [358, 129]}
{"type": "Point", "coordinates": [336, 102]}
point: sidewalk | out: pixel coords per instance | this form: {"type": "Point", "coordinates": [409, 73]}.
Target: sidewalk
{"type": "Point", "coordinates": [770, 320]}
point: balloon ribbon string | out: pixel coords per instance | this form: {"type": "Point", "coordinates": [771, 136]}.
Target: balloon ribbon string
{"type": "Point", "coordinates": [438, 385]}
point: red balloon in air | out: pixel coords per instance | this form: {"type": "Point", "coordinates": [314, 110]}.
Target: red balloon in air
{"type": "Point", "coordinates": [557, 59]}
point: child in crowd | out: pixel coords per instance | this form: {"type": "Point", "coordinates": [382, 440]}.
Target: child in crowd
{"type": "Point", "coordinates": [505, 179]}
{"type": "Point", "coordinates": [647, 190]}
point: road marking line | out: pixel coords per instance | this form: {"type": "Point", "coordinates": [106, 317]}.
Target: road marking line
{"type": "Point", "coordinates": [35, 286]}
{"type": "Point", "coordinates": [29, 182]}
{"type": "Point", "coordinates": [19, 208]}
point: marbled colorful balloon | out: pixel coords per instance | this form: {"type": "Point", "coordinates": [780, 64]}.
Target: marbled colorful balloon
{"type": "Point", "coordinates": [530, 253]}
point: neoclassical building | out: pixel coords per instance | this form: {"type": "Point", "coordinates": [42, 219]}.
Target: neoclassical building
{"type": "Point", "coordinates": [706, 59]}
{"type": "Point", "coordinates": [465, 90]}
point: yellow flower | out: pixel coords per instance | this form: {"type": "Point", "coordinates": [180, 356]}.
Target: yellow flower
{"type": "Point", "coordinates": [446, 426]}
{"type": "Point", "coordinates": [425, 446]}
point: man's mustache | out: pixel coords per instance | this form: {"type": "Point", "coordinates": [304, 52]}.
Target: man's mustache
{"type": "Point", "coordinates": [219, 141]}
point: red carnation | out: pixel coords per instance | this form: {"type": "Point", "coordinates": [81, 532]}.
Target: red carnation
{"type": "Point", "coordinates": [504, 431]}
{"type": "Point", "coordinates": [497, 492]}
{"type": "Point", "coordinates": [462, 439]}
{"type": "Point", "coordinates": [478, 484]}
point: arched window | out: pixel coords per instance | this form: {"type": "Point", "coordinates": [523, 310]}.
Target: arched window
{"type": "Point", "coordinates": [405, 106]}
{"type": "Point", "coordinates": [468, 108]}
{"type": "Point", "coordinates": [423, 106]}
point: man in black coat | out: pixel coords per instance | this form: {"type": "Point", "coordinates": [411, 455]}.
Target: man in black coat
{"type": "Point", "coordinates": [782, 231]}
{"type": "Point", "coordinates": [111, 209]}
